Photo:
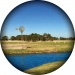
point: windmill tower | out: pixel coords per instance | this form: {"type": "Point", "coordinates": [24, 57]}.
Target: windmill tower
{"type": "Point", "coordinates": [21, 29]}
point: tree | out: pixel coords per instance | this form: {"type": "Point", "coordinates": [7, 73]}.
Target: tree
{"type": "Point", "coordinates": [43, 39]}
{"type": "Point", "coordinates": [13, 38]}
{"type": "Point", "coordinates": [47, 37]}
{"type": "Point", "coordinates": [28, 38]}
{"type": "Point", "coordinates": [4, 38]}
{"type": "Point", "coordinates": [18, 37]}
{"type": "Point", "coordinates": [55, 38]}
{"type": "Point", "coordinates": [34, 37]}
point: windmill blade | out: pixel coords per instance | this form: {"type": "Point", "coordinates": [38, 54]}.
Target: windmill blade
{"type": "Point", "coordinates": [16, 29]}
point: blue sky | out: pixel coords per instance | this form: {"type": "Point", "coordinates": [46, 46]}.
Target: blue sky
{"type": "Point", "coordinates": [38, 17]}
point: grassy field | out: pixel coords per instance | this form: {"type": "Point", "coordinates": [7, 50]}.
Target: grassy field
{"type": "Point", "coordinates": [36, 47]}
{"type": "Point", "coordinates": [45, 68]}
{"type": "Point", "coordinates": [15, 48]}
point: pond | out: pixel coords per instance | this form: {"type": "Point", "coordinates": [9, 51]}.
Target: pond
{"type": "Point", "coordinates": [27, 61]}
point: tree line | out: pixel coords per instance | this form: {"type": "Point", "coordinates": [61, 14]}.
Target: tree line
{"type": "Point", "coordinates": [36, 37]}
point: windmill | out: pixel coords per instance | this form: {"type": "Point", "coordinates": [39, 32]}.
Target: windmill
{"type": "Point", "coordinates": [21, 29]}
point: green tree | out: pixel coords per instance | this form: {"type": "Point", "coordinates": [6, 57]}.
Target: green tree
{"type": "Point", "coordinates": [13, 38]}
{"type": "Point", "coordinates": [47, 37]}
{"type": "Point", "coordinates": [18, 37]}
{"type": "Point", "coordinates": [34, 37]}
{"type": "Point", "coordinates": [4, 38]}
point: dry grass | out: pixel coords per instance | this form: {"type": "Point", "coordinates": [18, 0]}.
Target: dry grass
{"type": "Point", "coordinates": [45, 68]}
{"type": "Point", "coordinates": [38, 47]}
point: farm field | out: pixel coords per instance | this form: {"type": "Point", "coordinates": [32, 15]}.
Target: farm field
{"type": "Point", "coordinates": [19, 47]}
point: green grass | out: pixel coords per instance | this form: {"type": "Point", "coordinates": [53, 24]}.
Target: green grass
{"type": "Point", "coordinates": [45, 68]}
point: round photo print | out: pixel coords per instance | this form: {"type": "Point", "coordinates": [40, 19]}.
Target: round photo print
{"type": "Point", "coordinates": [37, 37]}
